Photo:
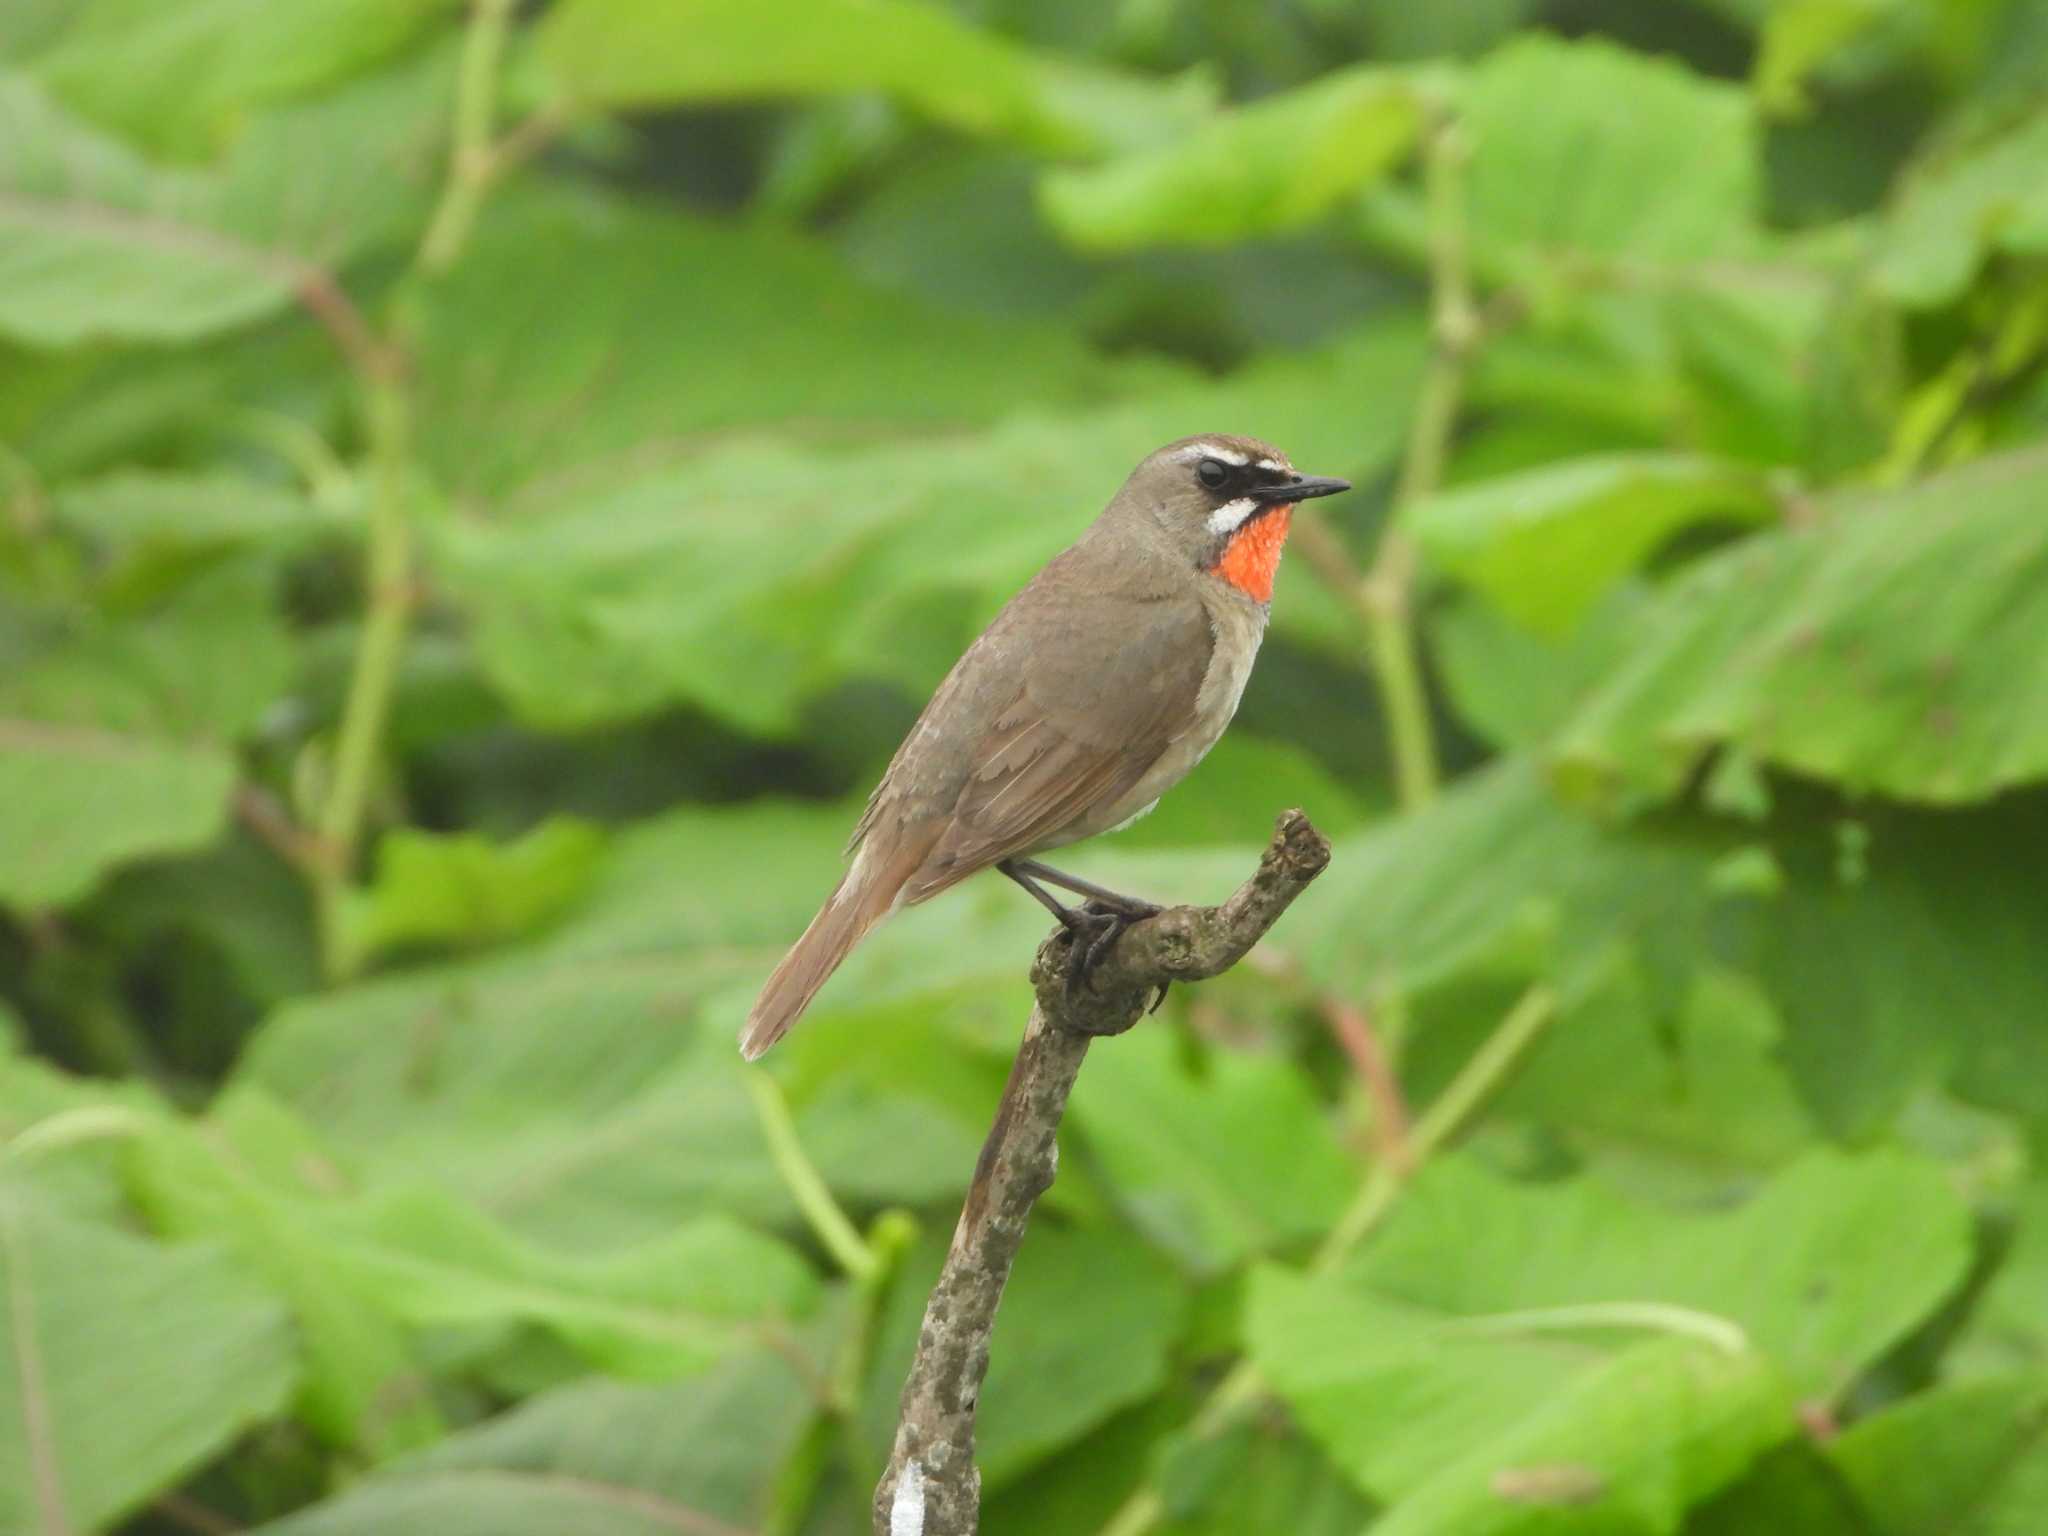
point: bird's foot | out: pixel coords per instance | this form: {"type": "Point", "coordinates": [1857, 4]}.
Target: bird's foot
{"type": "Point", "coordinates": [1094, 928]}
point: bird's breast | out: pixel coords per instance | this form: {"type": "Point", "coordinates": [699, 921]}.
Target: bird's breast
{"type": "Point", "coordinates": [1237, 627]}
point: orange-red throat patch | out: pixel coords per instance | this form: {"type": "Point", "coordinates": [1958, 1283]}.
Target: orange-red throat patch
{"type": "Point", "coordinates": [1252, 556]}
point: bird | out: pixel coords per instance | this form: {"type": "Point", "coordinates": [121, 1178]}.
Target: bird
{"type": "Point", "coordinates": [1091, 693]}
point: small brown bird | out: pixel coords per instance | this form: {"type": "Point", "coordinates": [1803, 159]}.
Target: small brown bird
{"type": "Point", "coordinates": [1090, 695]}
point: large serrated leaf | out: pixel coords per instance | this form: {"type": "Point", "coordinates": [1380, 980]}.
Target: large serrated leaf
{"type": "Point", "coordinates": [584, 342]}
{"type": "Point", "coordinates": [752, 575]}
{"type": "Point", "coordinates": [75, 801]}
{"type": "Point", "coordinates": [117, 727]}
{"type": "Point", "coordinates": [1269, 167]}
{"type": "Point", "coordinates": [1971, 201]}
{"type": "Point", "coordinates": [252, 1179]}
{"type": "Point", "coordinates": [96, 243]}
{"type": "Point", "coordinates": [1216, 1167]}
{"type": "Point", "coordinates": [176, 76]}
{"type": "Point", "coordinates": [1491, 1363]}
{"type": "Point", "coordinates": [126, 1364]}
{"type": "Point", "coordinates": [1586, 155]}
{"type": "Point", "coordinates": [668, 1307]}
{"type": "Point", "coordinates": [1893, 647]}
{"type": "Point", "coordinates": [655, 52]}
{"type": "Point", "coordinates": [595, 1458]}
{"type": "Point", "coordinates": [1545, 544]}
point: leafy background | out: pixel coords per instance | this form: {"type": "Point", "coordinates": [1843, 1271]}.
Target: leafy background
{"type": "Point", "coordinates": [484, 489]}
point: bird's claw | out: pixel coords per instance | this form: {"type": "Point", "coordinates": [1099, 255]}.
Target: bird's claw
{"type": "Point", "coordinates": [1094, 929]}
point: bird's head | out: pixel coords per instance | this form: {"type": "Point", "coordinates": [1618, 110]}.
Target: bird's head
{"type": "Point", "coordinates": [1225, 503]}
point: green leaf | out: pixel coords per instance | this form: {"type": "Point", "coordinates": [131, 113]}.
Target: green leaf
{"type": "Point", "coordinates": [1692, 1097]}
{"type": "Point", "coordinates": [640, 53]}
{"type": "Point", "coordinates": [749, 578]}
{"type": "Point", "coordinates": [1964, 1460]}
{"type": "Point", "coordinates": [1895, 919]}
{"type": "Point", "coordinates": [1511, 1435]}
{"type": "Point", "coordinates": [1546, 544]}
{"type": "Point", "coordinates": [1261, 1476]}
{"type": "Point", "coordinates": [252, 1178]}
{"type": "Point", "coordinates": [115, 726]}
{"type": "Point", "coordinates": [1830, 1264]}
{"type": "Point", "coordinates": [75, 800]}
{"type": "Point", "coordinates": [1086, 1323]}
{"type": "Point", "coordinates": [663, 1308]}
{"type": "Point", "coordinates": [1891, 647]}
{"type": "Point", "coordinates": [463, 888]}
{"type": "Point", "coordinates": [127, 1366]}
{"type": "Point", "coordinates": [552, 352]}
{"type": "Point", "coordinates": [61, 1135]}
{"type": "Point", "coordinates": [2007, 1329]}
{"type": "Point", "coordinates": [1584, 154]}
{"type": "Point", "coordinates": [595, 1458]}
{"type": "Point", "coordinates": [1217, 1166]}
{"type": "Point", "coordinates": [1500, 876]}
{"type": "Point", "coordinates": [1515, 687]}
{"type": "Point", "coordinates": [1485, 1364]}
{"type": "Point", "coordinates": [146, 515]}
{"type": "Point", "coordinates": [1964, 204]}
{"type": "Point", "coordinates": [1270, 167]}
{"type": "Point", "coordinates": [195, 660]}
{"type": "Point", "coordinates": [572, 1087]}
{"type": "Point", "coordinates": [1798, 37]}
{"type": "Point", "coordinates": [177, 77]}
{"type": "Point", "coordinates": [96, 244]}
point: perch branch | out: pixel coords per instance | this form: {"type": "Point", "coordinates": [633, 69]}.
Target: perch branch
{"type": "Point", "coordinates": [931, 1486]}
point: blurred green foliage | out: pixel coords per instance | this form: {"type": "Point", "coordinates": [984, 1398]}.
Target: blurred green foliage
{"type": "Point", "coordinates": [484, 487]}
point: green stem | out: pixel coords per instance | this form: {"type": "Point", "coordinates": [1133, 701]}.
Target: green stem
{"type": "Point", "coordinates": [326, 478]}
{"type": "Point", "coordinates": [806, 1186]}
{"type": "Point", "coordinates": [388, 607]}
{"type": "Point", "coordinates": [1389, 587]}
{"type": "Point", "coordinates": [1442, 1123]}
{"type": "Point", "coordinates": [389, 557]}
{"type": "Point", "coordinates": [1655, 1316]}
{"type": "Point", "coordinates": [470, 161]}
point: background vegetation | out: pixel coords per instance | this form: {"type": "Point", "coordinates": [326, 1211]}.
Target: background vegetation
{"type": "Point", "coordinates": [485, 488]}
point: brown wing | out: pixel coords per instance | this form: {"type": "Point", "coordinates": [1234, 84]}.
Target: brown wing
{"type": "Point", "coordinates": [1058, 710]}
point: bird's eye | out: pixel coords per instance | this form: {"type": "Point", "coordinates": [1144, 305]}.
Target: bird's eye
{"type": "Point", "coordinates": [1212, 473]}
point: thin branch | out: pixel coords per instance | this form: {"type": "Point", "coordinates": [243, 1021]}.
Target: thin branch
{"type": "Point", "coordinates": [321, 294]}
{"type": "Point", "coordinates": [1353, 1027]}
{"type": "Point", "coordinates": [931, 1486]}
{"type": "Point", "coordinates": [266, 817]}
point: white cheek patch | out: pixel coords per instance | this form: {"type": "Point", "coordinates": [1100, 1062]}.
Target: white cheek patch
{"type": "Point", "coordinates": [1226, 518]}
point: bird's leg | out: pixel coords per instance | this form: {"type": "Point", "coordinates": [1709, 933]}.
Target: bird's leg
{"type": "Point", "coordinates": [1136, 908]}
{"type": "Point", "coordinates": [1091, 928]}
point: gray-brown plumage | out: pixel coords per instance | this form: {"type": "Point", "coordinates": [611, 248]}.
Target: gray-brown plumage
{"type": "Point", "coordinates": [1093, 692]}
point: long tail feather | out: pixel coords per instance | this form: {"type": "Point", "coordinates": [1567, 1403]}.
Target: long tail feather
{"type": "Point", "coordinates": [865, 896]}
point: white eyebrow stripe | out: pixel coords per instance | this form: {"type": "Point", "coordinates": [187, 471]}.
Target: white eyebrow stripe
{"type": "Point", "coordinates": [1271, 464]}
{"type": "Point", "coordinates": [1226, 517]}
{"type": "Point", "coordinates": [1213, 451]}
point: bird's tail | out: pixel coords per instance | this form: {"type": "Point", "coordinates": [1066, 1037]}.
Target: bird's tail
{"type": "Point", "coordinates": [865, 896]}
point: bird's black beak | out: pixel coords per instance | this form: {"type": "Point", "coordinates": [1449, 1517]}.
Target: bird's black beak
{"type": "Point", "coordinates": [1300, 488]}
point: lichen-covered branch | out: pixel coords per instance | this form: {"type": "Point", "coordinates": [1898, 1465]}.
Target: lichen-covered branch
{"type": "Point", "coordinates": [931, 1486]}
